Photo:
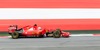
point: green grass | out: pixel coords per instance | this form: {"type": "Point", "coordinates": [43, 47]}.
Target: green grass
{"type": "Point", "coordinates": [4, 34]}
{"type": "Point", "coordinates": [71, 31]}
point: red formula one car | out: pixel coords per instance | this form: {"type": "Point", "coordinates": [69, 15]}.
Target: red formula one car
{"type": "Point", "coordinates": [35, 31]}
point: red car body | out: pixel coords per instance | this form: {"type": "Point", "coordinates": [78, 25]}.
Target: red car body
{"type": "Point", "coordinates": [35, 31]}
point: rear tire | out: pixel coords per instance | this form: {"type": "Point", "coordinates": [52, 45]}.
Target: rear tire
{"type": "Point", "coordinates": [15, 35]}
{"type": "Point", "coordinates": [56, 33]}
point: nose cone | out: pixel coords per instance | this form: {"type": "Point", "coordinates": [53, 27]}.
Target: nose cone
{"type": "Point", "coordinates": [66, 34]}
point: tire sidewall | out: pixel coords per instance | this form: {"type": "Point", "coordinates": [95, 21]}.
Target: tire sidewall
{"type": "Point", "coordinates": [56, 33]}
{"type": "Point", "coordinates": [15, 36]}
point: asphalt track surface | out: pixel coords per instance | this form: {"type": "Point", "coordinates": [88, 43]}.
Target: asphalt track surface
{"type": "Point", "coordinates": [71, 43]}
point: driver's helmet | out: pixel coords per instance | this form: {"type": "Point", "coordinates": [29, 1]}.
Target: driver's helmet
{"type": "Point", "coordinates": [35, 24]}
{"type": "Point", "coordinates": [10, 26]}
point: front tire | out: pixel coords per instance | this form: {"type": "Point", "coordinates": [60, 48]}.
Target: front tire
{"type": "Point", "coordinates": [56, 33]}
{"type": "Point", "coordinates": [15, 35]}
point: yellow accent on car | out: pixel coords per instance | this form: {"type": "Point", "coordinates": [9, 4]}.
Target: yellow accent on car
{"type": "Point", "coordinates": [47, 31]}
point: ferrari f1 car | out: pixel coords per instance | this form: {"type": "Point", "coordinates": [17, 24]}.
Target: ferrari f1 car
{"type": "Point", "coordinates": [35, 31]}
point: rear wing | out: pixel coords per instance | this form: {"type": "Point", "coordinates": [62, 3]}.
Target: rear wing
{"type": "Point", "coordinates": [13, 27]}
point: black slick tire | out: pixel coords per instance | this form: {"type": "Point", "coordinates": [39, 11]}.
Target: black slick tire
{"type": "Point", "coordinates": [56, 33]}
{"type": "Point", "coordinates": [15, 35]}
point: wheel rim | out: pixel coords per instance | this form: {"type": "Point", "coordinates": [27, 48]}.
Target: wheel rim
{"type": "Point", "coordinates": [15, 35]}
{"type": "Point", "coordinates": [57, 34]}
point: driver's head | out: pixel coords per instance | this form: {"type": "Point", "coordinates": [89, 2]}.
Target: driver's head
{"type": "Point", "coordinates": [35, 24]}
{"type": "Point", "coordinates": [10, 26]}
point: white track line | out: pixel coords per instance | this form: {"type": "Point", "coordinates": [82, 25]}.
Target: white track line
{"type": "Point", "coordinates": [81, 35]}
